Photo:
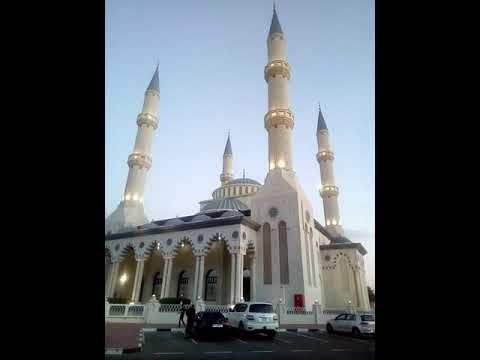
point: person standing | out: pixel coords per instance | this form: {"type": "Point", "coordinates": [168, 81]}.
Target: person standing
{"type": "Point", "coordinates": [190, 318]}
{"type": "Point", "coordinates": [182, 315]}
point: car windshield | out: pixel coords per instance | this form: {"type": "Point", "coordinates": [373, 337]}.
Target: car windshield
{"type": "Point", "coordinates": [213, 315]}
{"type": "Point", "coordinates": [368, 317]}
{"type": "Point", "coordinates": [261, 308]}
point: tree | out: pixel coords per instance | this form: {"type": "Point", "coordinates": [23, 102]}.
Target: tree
{"type": "Point", "coordinates": [371, 294]}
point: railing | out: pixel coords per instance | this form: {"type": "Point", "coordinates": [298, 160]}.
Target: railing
{"type": "Point", "coordinates": [121, 310]}
{"type": "Point", "coordinates": [170, 308]}
{"type": "Point", "coordinates": [298, 311]}
{"type": "Point", "coordinates": [221, 308]}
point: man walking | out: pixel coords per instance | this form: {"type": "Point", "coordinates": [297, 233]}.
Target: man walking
{"type": "Point", "coordinates": [182, 315]}
{"type": "Point", "coordinates": [190, 318]}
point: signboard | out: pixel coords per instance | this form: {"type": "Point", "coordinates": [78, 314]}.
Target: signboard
{"type": "Point", "coordinates": [298, 300]}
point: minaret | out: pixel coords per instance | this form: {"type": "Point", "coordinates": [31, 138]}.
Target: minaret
{"type": "Point", "coordinates": [328, 191]}
{"type": "Point", "coordinates": [227, 173]}
{"type": "Point", "coordinates": [130, 211]}
{"type": "Point", "coordinates": [279, 119]}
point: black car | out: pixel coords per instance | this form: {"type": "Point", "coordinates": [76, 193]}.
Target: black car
{"type": "Point", "coordinates": [210, 323]}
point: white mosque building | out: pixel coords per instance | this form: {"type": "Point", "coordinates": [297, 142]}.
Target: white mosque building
{"type": "Point", "coordinates": [250, 241]}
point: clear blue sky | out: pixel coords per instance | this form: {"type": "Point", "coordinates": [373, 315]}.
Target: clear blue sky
{"type": "Point", "coordinates": [211, 55]}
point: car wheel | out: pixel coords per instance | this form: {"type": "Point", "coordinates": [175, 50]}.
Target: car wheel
{"type": "Point", "coordinates": [329, 329]}
{"type": "Point", "coordinates": [355, 332]}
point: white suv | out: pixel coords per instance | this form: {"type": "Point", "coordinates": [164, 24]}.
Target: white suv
{"type": "Point", "coordinates": [254, 317]}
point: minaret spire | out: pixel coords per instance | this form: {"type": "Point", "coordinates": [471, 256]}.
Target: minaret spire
{"type": "Point", "coordinates": [130, 211]}
{"type": "Point", "coordinates": [328, 191]}
{"type": "Point", "coordinates": [279, 120]}
{"type": "Point", "coordinates": [227, 173]}
{"type": "Point", "coordinates": [275, 26]}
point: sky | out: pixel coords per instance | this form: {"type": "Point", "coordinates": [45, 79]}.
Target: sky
{"type": "Point", "coordinates": [211, 56]}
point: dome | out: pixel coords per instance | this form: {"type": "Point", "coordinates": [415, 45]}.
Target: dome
{"type": "Point", "coordinates": [174, 221]}
{"type": "Point", "coordinates": [224, 204]}
{"type": "Point", "coordinates": [201, 217]}
{"type": "Point", "coordinates": [244, 181]}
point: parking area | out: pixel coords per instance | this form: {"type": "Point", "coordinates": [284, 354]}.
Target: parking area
{"type": "Point", "coordinates": [286, 345]}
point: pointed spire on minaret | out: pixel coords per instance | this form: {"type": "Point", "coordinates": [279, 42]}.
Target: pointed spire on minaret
{"type": "Point", "coordinates": [244, 173]}
{"type": "Point", "coordinates": [228, 146]}
{"type": "Point", "coordinates": [275, 25]}
{"type": "Point", "coordinates": [154, 83]}
{"type": "Point", "coordinates": [321, 125]}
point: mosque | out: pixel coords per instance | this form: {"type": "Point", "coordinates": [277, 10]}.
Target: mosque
{"type": "Point", "coordinates": [251, 241]}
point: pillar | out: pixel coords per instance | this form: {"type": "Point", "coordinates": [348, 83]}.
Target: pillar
{"type": "Point", "coordinates": [169, 265]}
{"type": "Point", "coordinates": [253, 278]}
{"type": "Point", "coordinates": [232, 278]}
{"type": "Point", "coordinates": [164, 277]}
{"type": "Point", "coordinates": [201, 264]}
{"type": "Point", "coordinates": [137, 283]}
{"type": "Point", "coordinates": [195, 281]}
{"type": "Point", "coordinates": [112, 279]}
{"type": "Point", "coordinates": [239, 276]}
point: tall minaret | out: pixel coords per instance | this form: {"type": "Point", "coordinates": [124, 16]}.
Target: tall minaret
{"type": "Point", "coordinates": [279, 119]}
{"type": "Point", "coordinates": [130, 211]}
{"type": "Point", "coordinates": [328, 190]}
{"type": "Point", "coordinates": [227, 173]}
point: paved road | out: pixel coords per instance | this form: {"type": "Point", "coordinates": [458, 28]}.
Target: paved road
{"type": "Point", "coordinates": [286, 345]}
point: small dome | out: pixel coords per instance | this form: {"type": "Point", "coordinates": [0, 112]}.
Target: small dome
{"type": "Point", "coordinates": [201, 217]}
{"type": "Point", "coordinates": [230, 213]}
{"type": "Point", "coordinates": [244, 181]}
{"type": "Point", "coordinates": [174, 221]}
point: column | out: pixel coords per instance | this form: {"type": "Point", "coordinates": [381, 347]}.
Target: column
{"type": "Point", "coordinates": [239, 276]}
{"type": "Point", "coordinates": [195, 281]}
{"type": "Point", "coordinates": [138, 279]}
{"type": "Point", "coordinates": [232, 278]}
{"type": "Point", "coordinates": [200, 277]}
{"type": "Point", "coordinates": [168, 276]}
{"type": "Point", "coordinates": [112, 279]}
{"type": "Point", "coordinates": [164, 277]}
{"type": "Point", "coordinates": [253, 278]}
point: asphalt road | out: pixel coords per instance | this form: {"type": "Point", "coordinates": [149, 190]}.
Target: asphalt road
{"type": "Point", "coordinates": [286, 345]}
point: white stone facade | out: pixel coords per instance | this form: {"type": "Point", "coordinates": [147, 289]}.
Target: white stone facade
{"type": "Point", "coordinates": [273, 250]}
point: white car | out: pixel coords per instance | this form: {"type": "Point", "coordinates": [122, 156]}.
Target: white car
{"type": "Point", "coordinates": [254, 317]}
{"type": "Point", "coordinates": [356, 324]}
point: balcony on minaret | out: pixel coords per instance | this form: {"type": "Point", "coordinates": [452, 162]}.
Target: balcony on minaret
{"type": "Point", "coordinates": [328, 191]}
{"type": "Point", "coordinates": [325, 155]}
{"type": "Point", "coordinates": [140, 160]}
{"type": "Point", "coordinates": [147, 119]}
{"type": "Point", "coordinates": [279, 117]}
{"type": "Point", "coordinates": [277, 67]}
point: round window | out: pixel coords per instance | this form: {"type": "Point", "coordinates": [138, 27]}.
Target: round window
{"type": "Point", "coordinates": [200, 238]}
{"type": "Point", "coordinates": [273, 212]}
{"type": "Point", "coordinates": [235, 234]}
{"type": "Point", "coordinates": [169, 242]}
{"type": "Point", "coordinates": [142, 244]}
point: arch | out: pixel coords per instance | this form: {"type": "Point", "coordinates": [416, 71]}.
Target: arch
{"type": "Point", "coordinates": [183, 280]}
{"type": "Point", "coordinates": [283, 252]}
{"type": "Point", "coordinates": [157, 284]}
{"type": "Point", "coordinates": [210, 293]}
{"type": "Point", "coordinates": [267, 254]}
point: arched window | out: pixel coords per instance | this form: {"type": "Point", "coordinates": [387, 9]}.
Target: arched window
{"type": "Point", "coordinates": [182, 287]}
{"type": "Point", "coordinates": [157, 285]}
{"type": "Point", "coordinates": [211, 285]}
{"type": "Point", "coordinates": [283, 249]}
{"type": "Point", "coordinates": [267, 254]}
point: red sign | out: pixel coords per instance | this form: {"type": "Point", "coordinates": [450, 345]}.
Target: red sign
{"type": "Point", "coordinates": [298, 300]}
